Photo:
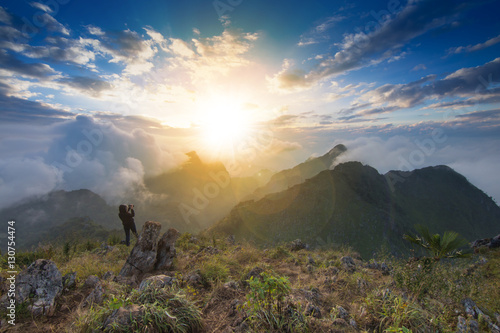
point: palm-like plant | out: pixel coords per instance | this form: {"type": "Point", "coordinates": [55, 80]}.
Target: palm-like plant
{"type": "Point", "coordinates": [446, 246]}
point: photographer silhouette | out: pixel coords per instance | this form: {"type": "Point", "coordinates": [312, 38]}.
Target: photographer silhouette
{"type": "Point", "coordinates": [126, 214]}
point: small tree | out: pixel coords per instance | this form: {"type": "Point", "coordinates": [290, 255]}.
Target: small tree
{"type": "Point", "coordinates": [446, 246]}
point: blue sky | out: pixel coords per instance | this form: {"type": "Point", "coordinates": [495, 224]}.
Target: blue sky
{"type": "Point", "coordinates": [403, 84]}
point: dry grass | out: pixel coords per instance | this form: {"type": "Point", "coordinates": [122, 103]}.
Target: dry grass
{"type": "Point", "coordinates": [375, 301]}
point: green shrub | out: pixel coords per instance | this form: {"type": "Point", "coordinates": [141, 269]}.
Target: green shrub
{"type": "Point", "coordinates": [162, 310]}
{"type": "Point", "coordinates": [214, 271]}
{"type": "Point", "coordinates": [279, 252]}
{"type": "Point", "coordinates": [267, 308]}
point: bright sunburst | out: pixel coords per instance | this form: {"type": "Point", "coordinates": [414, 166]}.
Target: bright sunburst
{"type": "Point", "coordinates": [225, 122]}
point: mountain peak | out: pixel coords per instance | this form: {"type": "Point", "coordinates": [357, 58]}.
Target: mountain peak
{"type": "Point", "coordinates": [337, 150]}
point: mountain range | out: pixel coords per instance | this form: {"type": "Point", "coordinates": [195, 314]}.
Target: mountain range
{"type": "Point", "coordinates": [354, 205]}
{"type": "Point", "coordinates": [351, 204]}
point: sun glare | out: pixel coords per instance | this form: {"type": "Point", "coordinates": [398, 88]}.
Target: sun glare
{"type": "Point", "coordinates": [224, 124]}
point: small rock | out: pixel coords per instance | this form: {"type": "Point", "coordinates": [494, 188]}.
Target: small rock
{"type": "Point", "coordinates": [480, 243]}
{"type": "Point", "coordinates": [495, 242]}
{"type": "Point", "coordinates": [348, 263]}
{"type": "Point", "coordinates": [91, 281]}
{"type": "Point", "coordinates": [69, 280]}
{"type": "Point", "coordinates": [352, 322]}
{"type": "Point", "coordinates": [195, 280]}
{"type": "Point", "coordinates": [333, 270]}
{"type": "Point", "coordinates": [231, 285]}
{"type": "Point", "coordinates": [342, 313]}
{"type": "Point", "coordinates": [210, 250]}
{"type": "Point", "coordinates": [313, 296]}
{"type": "Point", "coordinates": [297, 245]}
{"type": "Point", "coordinates": [109, 275]}
{"type": "Point", "coordinates": [474, 326]}
{"type": "Point", "coordinates": [385, 269]}
{"type": "Point", "coordinates": [461, 325]}
{"type": "Point", "coordinates": [254, 272]}
{"type": "Point", "coordinates": [130, 281]}
{"type": "Point", "coordinates": [312, 310]}
{"type": "Point", "coordinates": [158, 281]}
{"type": "Point", "coordinates": [470, 308]}
{"type": "Point", "coordinates": [96, 296]}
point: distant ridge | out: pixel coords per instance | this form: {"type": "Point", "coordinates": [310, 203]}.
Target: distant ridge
{"type": "Point", "coordinates": [355, 205]}
{"type": "Point", "coordinates": [298, 174]}
{"type": "Point", "coordinates": [37, 215]}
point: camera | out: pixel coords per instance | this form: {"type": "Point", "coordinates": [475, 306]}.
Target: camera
{"type": "Point", "coordinates": [130, 206]}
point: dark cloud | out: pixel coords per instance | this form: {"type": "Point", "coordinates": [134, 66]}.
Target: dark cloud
{"type": "Point", "coordinates": [4, 16]}
{"type": "Point", "coordinates": [466, 82]}
{"type": "Point", "coordinates": [482, 115]}
{"type": "Point", "coordinates": [88, 85]}
{"type": "Point", "coordinates": [386, 38]}
{"type": "Point", "coordinates": [60, 49]}
{"type": "Point", "coordinates": [16, 66]}
{"type": "Point", "coordinates": [127, 44]}
{"type": "Point", "coordinates": [284, 120]}
{"type": "Point", "coordinates": [17, 110]}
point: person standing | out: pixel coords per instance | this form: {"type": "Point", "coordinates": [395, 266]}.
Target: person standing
{"type": "Point", "coordinates": [126, 214]}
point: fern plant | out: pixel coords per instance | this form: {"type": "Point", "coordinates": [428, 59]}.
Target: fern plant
{"type": "Point", "coordinates": [446, 246]}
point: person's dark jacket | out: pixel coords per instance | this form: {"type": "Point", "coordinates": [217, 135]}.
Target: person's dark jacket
{"type": "Point", "coordinates": [127, 217]}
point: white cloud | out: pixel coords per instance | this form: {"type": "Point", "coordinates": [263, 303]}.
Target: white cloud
{"type": "Point", "coordinates": [476, 47]}
{"type": "Point", "coordinates": [25, 177]}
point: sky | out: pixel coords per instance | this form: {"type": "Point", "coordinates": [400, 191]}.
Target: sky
{"type": "Point", "coordinates": [104, 94]}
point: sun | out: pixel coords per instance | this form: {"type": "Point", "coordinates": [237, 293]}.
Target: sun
{"type": "Point", "coordinates": [224, 123]}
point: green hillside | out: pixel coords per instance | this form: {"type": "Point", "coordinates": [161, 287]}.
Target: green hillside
{"type": "Point", "coordinates": [356, 206]}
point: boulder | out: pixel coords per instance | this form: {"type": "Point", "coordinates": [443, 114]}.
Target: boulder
{"type": "Point", "coordinates": [40, 285]}
{"type": "Point", "coordinates": [297, 245]}
{"type": "Point", "coordinates": [142, 259]}
{"type": "Point", "coordinates": [166, 250]}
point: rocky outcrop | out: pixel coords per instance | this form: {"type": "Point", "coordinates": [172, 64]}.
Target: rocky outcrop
{"type": "Point", "coordinates": [40, 285]}
{"type": "Point", "coordinates": [166, 250]}
{"type": "Point", "coordinates": [142, 259]}
{"type": "Point", "coordinates": [490, 243]}
{"type": "Point", "coordinates": [474, 312]}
